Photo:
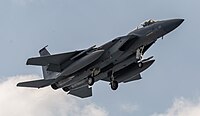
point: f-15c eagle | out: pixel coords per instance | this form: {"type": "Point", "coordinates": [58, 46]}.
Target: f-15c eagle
{"type": "Point", "coordinates": [119, 60]}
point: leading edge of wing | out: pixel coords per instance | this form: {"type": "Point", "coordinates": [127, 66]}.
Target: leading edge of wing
{"type": "Point", "coordinates": [36, 83]}
{"type": "Point", "coordinates": [51, 59]}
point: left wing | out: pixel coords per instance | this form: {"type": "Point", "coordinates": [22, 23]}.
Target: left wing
{"type": "Point", "coordinates": [82, 92]}
{"type": "Point", "coordinates": [36, 83]}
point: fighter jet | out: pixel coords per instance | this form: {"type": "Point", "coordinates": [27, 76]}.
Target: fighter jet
{"type": "Point", "coordinates": [117, 61]}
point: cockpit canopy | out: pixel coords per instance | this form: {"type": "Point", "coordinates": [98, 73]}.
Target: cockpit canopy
{"type": "Point", "coordinates": [148, 22]}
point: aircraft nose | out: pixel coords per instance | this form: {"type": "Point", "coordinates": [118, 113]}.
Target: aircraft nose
{"type": "Point", "coordinates": [172, 24]}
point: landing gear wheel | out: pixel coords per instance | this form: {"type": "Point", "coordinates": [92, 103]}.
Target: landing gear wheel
{"type": "Point", "coordinates": [66, 89]}
{"type": "Point", "coordinates": [54, 86]}
{"type": "Point", "coordinates": [140, 64]}
{"type": "Point", "coordinates": [114, 85]}
{"type": "Point", "coordinates": [90, 81]}
{"type": "Point", "coordinates": [139, 53]}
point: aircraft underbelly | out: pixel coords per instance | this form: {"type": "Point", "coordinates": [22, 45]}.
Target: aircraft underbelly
{"type": "Point", "coordinates": [131, 71]}
{"type": "Point", "coordinates": [81, 63]}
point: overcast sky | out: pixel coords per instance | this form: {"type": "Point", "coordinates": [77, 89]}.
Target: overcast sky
{"type": "Point", "coordinates": [170, 87]}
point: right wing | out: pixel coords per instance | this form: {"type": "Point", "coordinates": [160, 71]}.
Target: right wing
{"type": "Point", "coordinates": [82, 92]}
{"type": "Point", "coordinates": [134, 78]}
{"type": "Point", "coordinates": [56, 59]}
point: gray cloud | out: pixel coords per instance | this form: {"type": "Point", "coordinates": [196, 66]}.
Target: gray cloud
{"type": "Point", "coordinates": [128, 108]}
{"type": "Point", "coordinates": [182, 107]}
{"type": "Point", "coordinates": [44, 102]}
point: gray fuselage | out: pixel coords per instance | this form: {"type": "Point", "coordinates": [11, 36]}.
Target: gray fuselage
{"type": "Point", "coordinates": [118, 54]}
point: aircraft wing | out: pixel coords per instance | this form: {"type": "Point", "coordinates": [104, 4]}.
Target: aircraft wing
{"type": "Point", "coordinates": [82, 92]}
{"type": "Point", "coordinates": [36, 83]}
{"type": "Point", "coordinates": [56, 59]}
{"type": "Point", "coordinates": [137, 77]}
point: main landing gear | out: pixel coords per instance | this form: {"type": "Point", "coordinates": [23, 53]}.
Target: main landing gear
{"type": "Point", "coordinates": [66, 89]}
{"type": "Point", "coordinates": [113, 82]}
{"type": "Point", "coordinates": [90, 80]}
{"type": "Point", "coordinates": [114, 85]}
{"type": "Point", "coordinates": [94, 72]}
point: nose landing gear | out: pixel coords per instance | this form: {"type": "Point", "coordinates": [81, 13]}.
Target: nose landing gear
{"type": "Point", "coordinates": [139, 53]}
{"type": "Point", "coordinates": [140, 64]}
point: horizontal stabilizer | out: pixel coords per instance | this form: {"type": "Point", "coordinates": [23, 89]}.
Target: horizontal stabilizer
{"type": "Point", "coordinates": [82, 92]}
{"type": "Point", "coordinates": [51, 59]}
{"type": "Point", "coordinates": [36, 83]}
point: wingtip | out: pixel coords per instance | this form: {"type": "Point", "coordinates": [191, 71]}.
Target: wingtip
{"type": "Point", "coordinates": [152, 61]}
{"type": "Point", "coordinates": [27, 62]}
{"type": "Point", "coordinates": [18, 85]}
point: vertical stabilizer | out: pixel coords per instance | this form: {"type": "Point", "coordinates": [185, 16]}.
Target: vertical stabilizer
{"type": "Point", "coordinates": [46, 74]}
{"type": "Point", "coordinates": [44, 52]}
